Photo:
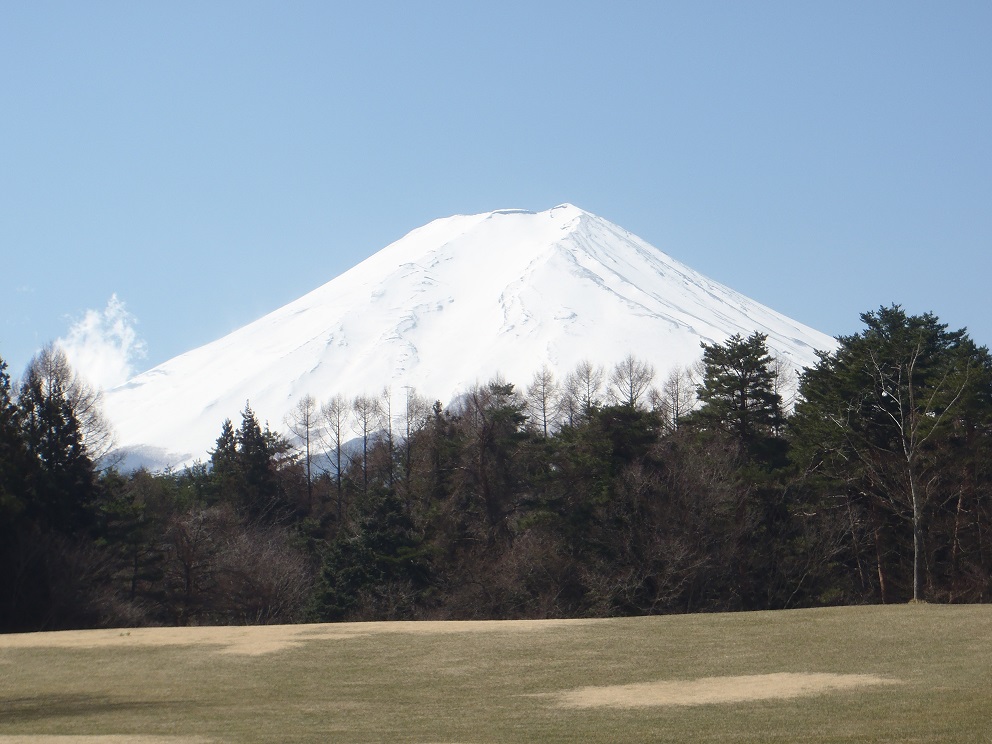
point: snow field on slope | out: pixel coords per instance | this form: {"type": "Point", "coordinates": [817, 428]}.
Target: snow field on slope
{"type": "Point", "coordinates": [445, 307]}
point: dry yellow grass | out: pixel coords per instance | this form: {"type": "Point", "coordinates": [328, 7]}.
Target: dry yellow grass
{"type": "Point", "coordinates": [262, 639]}
{"type": "Point", "coordinates": [715, 690]}
{"type": "Point", "coordinates": [108, 739]}
{"type": "Point", "coordinates": [918, 673]}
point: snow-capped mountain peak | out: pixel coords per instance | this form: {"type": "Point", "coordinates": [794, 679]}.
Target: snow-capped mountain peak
{"type": "Point", "coordinates": [449, 305]}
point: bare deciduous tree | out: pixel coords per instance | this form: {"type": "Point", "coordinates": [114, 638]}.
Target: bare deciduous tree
{"type": "Point", "coordinates": [416, 414]}
{"type": "Point", "coordinates": [52, 367]}
{"type": "Point", "coordinates": [582, 390]}
{"type": "Point", "coordinates": [678, 395]}
{"type": "Point", "coordinates": [913, 413]}
{"type": "Point", "coordinates": [334, 416]}
{"type": "Point", "coordinates": [262, 578]}
{"type": "Point", "coordinates": [302, 423]}
{"type": "Point", "coordinates": [630, 381]}
{"type": "Point", "coordinates": [190, 568]}
{"type": "Point", "coordinates": [385, 424]}
{"type": "Point", "coordinates": [542, 400]}
{"type": "Point", "coordinates": [367, 416]}
{"type": "Point", "coordinates": [785, 382]}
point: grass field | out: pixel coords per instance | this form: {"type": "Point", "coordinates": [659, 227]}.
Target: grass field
{"type": "Point", "coordinates": [898, 674]}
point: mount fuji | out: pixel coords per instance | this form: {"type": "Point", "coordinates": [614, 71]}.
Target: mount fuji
{"type": "Point", "coordinates": [448, 306]}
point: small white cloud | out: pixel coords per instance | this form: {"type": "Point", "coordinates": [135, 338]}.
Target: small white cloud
{"type": "Point", "coordinates": [103, 346]}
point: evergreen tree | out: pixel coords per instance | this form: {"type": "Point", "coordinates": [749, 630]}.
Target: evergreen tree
{"type": "Point", "coordinates": [962, 560]}
{"type": "Point", "coordinates": [258, 451]}
{"type": "Point", "coordinates": [14, 479]}
{"type": "Point", "coordinates": [52, 368]}
{"type": "Point", "coordinates": [380, 570]}
{"type": "Point", "coordinates": [245, 464]}
{"type": "Point", "coordinates": [492, 423]}
{"type": "Point", "coordinates": [50, 557]}
{"type": "Point", "coordinates": [879, 416]}
{"type": "Point", "coordinates": [738, 396]}
{"type": "Point", "coordinates": [740, 407]}
{"type": "Point", "coordinates": [586, 462]}
{"type": "Point", "coordinates": [133, 513]}
{"type": "Point", "coordinates": [226, 478]}
{"type": "Point", "coordinates": [64, 476]}
{"type": "Point", "coordinates": [13, 453]}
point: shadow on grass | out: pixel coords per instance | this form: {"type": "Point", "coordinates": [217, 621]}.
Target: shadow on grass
{"type": "Point", "coordinates": [42, 707]}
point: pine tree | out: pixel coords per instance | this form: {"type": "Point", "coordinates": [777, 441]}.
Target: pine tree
{"type": "Point", "coordinates": [226, 481]}
{"type": "Point", "coordinates": [133, 514]}
{"type": "Point", "coordinates": [380, 570]}
{"type": "Point", "coordinates": [741, 410]}
{"type": "Point", "coordinates": [256, 455]}
{"type": "Point", "coordinates": [64, 480]}
{"type": "Point", "coordinates": [15, 476]}
{"type": "Point", "coordinates": [13, 454]}
{"type": "Point", "coordinates": [492, 421]}
{"type": "Point", "coordinates": [880, 414]}
{"type": "Point", "coordinates": [738, 397]}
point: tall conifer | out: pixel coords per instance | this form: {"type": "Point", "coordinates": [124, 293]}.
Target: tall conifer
{"type": "Point", "coordinates": [738, 396]}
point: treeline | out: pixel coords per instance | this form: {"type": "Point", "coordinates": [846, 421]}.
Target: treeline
{"type": "Point", "coordinates": [735, 484]}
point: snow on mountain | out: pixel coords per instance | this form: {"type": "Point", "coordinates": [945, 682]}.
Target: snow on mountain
{"type": "Point", "coordinates": [445, 307]}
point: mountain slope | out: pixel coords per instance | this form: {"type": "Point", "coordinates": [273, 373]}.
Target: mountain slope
{"type": "Point", "coordinates": [446, 306]}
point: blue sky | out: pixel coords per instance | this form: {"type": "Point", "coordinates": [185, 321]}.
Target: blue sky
{"type": "Point", "coordinates": [206, 163]}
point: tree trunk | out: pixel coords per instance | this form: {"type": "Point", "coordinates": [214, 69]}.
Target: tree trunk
{"type": "Point", "coordinates": [917, 539]}
{"type": "Point", "coordinates": [878, 554]}
{"type": "Point", "coordinates": [854, 544]}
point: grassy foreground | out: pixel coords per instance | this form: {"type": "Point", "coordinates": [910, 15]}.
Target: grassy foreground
{"type": "Point", "coordinates": [925, 674]}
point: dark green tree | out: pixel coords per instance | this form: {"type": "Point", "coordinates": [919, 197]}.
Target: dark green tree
{"type": "Point", "coordinates": [226, 478]}
{"type": "Point", "coordinates": [739, 406]}
{"type": "Point", "coordinates": [64, 475]}
{"type": "Point", "coordinates": [13, 453]}
{"type": "Point", "coordinates": [491, 422]}
{"type": "Point", "coordinates": [878, 416]}
{"type": "Point", "coordinates": [379, 567]}
{"type": "Point", "coordinates": [738, 396]}
{"type": "Point", "coordinates": [245, 469]}
{"type": "Point", "coordinates": [53, 566]}
{"type": "Point", "coordinates": [15, 477]}
{"type": "Point", "coordinates": [133, 513]}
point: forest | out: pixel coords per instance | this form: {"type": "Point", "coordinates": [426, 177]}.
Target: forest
{"type": "Point", "coordinates": [732, 484]}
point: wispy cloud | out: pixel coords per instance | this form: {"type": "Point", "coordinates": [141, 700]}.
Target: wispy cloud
{"type": "Point", "coordinates": [103, 345]}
